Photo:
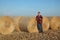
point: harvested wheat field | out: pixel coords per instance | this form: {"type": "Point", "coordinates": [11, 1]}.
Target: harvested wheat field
{"type": "Point", "coordinates": [49, 35]}
{"type": "Point", "coordinates": [25, 28]}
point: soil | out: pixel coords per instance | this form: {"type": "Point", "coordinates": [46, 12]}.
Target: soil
{"type": "Point", "coordinates": [49, 35]}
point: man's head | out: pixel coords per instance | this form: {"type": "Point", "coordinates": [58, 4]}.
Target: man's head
{"type": "Point", "coordinates": [38, 13]}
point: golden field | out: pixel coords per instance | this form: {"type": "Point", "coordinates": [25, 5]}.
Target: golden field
{"type": "Point", "coordinates": [25, 28]}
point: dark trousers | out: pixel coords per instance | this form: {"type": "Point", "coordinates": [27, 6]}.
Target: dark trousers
{"type": "Point", "coordinates": [39, 26]}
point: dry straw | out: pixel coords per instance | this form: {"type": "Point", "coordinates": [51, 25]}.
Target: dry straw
{"type": "Point", "coordinates": [55, 23]}
{"type": "Point", "coordinates": [46, 24]}
{"type": "Point", "coordinates": [9, 24]}
{"type": "Point", "coordinates": [6, 25]}
{"type": "Point", "coordinates": [32, 27]}
{"type": "Point", "coordinates": [17, 21]}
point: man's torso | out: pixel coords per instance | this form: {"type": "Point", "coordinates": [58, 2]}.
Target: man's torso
{"type": "Point", "coordinates": [39, 19]}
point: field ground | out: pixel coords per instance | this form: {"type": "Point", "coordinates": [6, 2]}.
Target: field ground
{"type": "Point", "coordinates": [49, 35]}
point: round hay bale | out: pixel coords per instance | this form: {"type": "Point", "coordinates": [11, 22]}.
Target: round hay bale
{"type": "Point", "coordinates": [32, 26]}
{"type": "Point", "coordinates": [45, 24]}
{"type": "Point", "coordinates": [17, 21]}
{"type": "Point", "coordinates": [55, 23]}
{"type": "Point", "coordinates": [23, 23]}
{"type": "Point", "coordinates": [6, 25]}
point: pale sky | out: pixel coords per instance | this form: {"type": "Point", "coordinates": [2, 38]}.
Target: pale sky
{"type": "Point", "coordinates": [29, 7]}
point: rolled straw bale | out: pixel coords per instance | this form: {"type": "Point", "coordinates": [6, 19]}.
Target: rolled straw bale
{"type": "Point", "coordinates": [17, 21]}
{"type": "Point", "coordinates": [32, 26]}
{"type": "Point", "coordinates": [45, 24]}
{"type": "Point", "coordinates": [6, 25]}
{"type": "Point", "coordinates": [55, 23]}
{"type": "Point", "coordinates": [24, 22]}
{"type": "Point", "coordinates": [21, 23]}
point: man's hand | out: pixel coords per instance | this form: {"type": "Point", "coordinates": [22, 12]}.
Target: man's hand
{"type": "Point", "coordinates": [40, 18]}
{"type": "Point", "coordinates": [40, 21]}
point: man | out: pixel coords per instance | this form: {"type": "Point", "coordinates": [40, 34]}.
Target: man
{"type": "Point", "coordinates": [39, 19]}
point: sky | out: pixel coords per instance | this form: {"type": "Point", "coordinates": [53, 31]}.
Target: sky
{"type": "Point", "coordinates": [29, 7]}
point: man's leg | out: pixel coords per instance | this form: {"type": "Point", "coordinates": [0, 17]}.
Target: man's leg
{"type": "Point", "coordinates": [40, 26]}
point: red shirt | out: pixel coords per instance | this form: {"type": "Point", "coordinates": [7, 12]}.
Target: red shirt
{"type": "Point", "coordinates": [39, 19]}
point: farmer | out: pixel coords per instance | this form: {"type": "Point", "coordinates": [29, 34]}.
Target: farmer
{"type": "Point", "coordinates": [39, 19]}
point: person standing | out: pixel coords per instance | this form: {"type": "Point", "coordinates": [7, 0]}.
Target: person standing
{"type": "Point", "coordinates": [39, 19]}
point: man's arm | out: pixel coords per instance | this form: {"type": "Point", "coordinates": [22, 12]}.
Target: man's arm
{"type": "Point", "coordinates": [41, 16]}
{"type": "Point", "coordinates": [36, 18]}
